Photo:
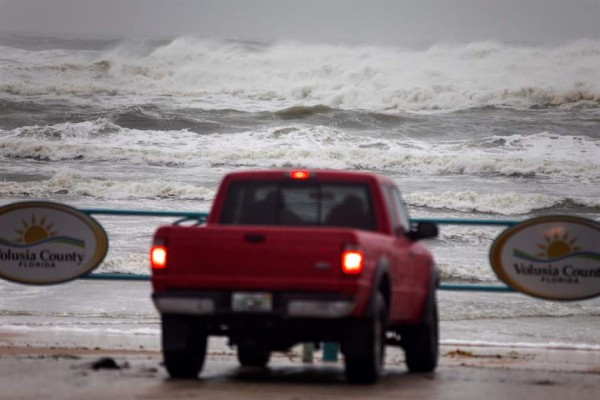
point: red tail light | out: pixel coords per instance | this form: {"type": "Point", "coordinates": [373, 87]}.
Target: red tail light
{"type": "Point", "coordinates": [158, 257]}
{"type": "Point", "coordinates": [352, 261]}
{"type": "Point", "coordinates": [300, 174]}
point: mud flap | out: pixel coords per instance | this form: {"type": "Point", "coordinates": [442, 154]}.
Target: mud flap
{"type": "Point", "coordinates": [356, 343]}
{"type": "Point", "coordinates": [176, 332]}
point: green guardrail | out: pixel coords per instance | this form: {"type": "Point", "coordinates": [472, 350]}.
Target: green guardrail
{"type": "Point", "coordinates": [200, 217]}
{"type": "Point", "coordinates": [330, 349]}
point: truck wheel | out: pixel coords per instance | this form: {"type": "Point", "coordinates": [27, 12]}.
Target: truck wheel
{"type": "Point", "coordinates": [367, 367]}
{"type": "Point", "coordinates": [253, 355]}
{"type": "Point", "coordinates": [185, 359]}
{"type": "Point", "coordinates": [421, 342]}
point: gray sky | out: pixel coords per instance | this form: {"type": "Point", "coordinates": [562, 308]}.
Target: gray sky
{"type": "Point", "coordinates": [403, 22]}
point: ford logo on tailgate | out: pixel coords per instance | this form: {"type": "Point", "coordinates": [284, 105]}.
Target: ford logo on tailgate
{"type": "Point", "coordinates": [552, 257]}
{"type": "Point", "coordinates": [45, 243]}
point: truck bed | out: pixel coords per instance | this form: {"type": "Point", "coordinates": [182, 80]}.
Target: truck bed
{"type": "Point", "coordinates": [255, 258]}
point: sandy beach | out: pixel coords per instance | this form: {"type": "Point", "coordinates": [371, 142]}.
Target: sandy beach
{"type": "Point", "coordinates": [42, 370]}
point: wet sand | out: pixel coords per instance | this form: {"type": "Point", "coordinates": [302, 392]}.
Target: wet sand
{"type": "Point", "coordinates": [465, 372]}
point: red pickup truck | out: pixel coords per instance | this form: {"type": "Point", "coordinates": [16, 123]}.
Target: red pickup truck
{"type": "Point", "coordinates": [287, 257]}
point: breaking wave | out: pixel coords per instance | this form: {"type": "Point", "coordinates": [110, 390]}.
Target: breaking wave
{"type": "Point", "coordinates": [286, 74]}
{"type": "Point", "coordinates": [507, 203]}
{"type": "Point", "coordinates": [70, 185]}
{"type": "Point", "coordinates": [543, 155]}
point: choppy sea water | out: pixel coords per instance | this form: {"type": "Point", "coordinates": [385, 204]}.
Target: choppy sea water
{"type": "Point", "coordinates": [479, 130]}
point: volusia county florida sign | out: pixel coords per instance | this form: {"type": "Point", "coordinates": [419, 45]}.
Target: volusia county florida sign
{"type": "Point", "coordinates": [44, 243]}
{"type": "Point", "coordinates": [552, 257]}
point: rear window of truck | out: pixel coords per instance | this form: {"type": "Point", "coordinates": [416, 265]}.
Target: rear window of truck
{"type": "Point", "coordinates": [298, 204]}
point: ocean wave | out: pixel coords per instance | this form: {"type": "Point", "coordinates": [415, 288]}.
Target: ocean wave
{"type": "Point", "coordinates": [506, 203]}
{"type": "Point", "coordinates": [515, 306]}
{"type": "Point", "coordinates": [572, 158]}
{"type": "Point", "coordinates": [462, 273]}
{"type": "Point", "coordinates": [383, 79]}
{"type": "Point", "coordinates": [133, 318]}
{"type": "Point", "coordinates": [463, 164]}
{"type": "Point", "coordinates": [299, 112]}
{"type": "Point", "coordinates": [136, 264]}
{"type": "Point", "coordinates": [469, 235]}
{"type": "Point", "coordinates": [105, 328]}
{"type": "Point", "coordinates": [152, 117]}
{"type": "Point", "coordinates": [522, 345]}
{"type": "Point", "coordinates": [66, 130]}
{"type": "Point", "coordinates": [66, 184]}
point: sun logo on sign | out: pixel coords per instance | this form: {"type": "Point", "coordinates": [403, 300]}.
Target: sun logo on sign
{"type": "Point", "coordinates": [34, 231]}
{"type": "Point", "coordinates": [557, 244]}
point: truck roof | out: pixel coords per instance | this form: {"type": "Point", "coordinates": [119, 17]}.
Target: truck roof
{"type": "Point", "coordinates": [307, 174]}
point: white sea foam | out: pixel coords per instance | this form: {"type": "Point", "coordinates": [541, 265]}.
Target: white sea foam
{"type": "Point", "coordinates": [105, 328]}
{"type": "Point", "coordinates": [471, 306]}
{"type": "Point", "coordinates": [469, 235]}
{"type": "Point", "coordinates": [478, 271]}
{"type": "Point", "coordinates": [521, 345]}
{"type": "Point", "coordinates": [68, 184]}
{"type": "Point", "coordinates": [443, 77]}
{"type": "Point", "coordinates": [130, 263]}
{"type": "Point", "coordinates": [506, 203]}
{"type": "Point", "coordinates": [558, 159]}
{"type": "Point", "coordinates": [66, 131]}
{"type": "Point", "coordinates": [543, 154]}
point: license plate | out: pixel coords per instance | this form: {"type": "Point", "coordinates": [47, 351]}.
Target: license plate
{"type": "Point", "coordinates": [252, 301]}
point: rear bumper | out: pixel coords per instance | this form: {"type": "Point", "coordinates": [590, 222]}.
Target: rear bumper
{"type": "Point", "coordinates": [294, 318]}
{"type": "Point", "coordinates": [283, 305]}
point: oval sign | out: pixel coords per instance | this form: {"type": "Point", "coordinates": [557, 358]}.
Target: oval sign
{"type": "Point", "coordinates": [44, 243]}
{"type": "Point", "coordinates": [552, 257]}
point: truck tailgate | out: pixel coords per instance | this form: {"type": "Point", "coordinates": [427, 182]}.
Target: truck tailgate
{"type": "Point", "coordinates": [256, 257]}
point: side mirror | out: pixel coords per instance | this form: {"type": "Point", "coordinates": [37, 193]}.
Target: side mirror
{"type": "Point", "coordinates": [423, 230]}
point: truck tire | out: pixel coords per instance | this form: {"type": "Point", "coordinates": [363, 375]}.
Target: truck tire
{"type": "Point", "coordinates": [253, 355]}
{"type": "Point", "coordinates": [367, 367]}
{"type": "Point", "coordinates": [186, 359]}
{"type": "Point", "coordinates": [421, 341]}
